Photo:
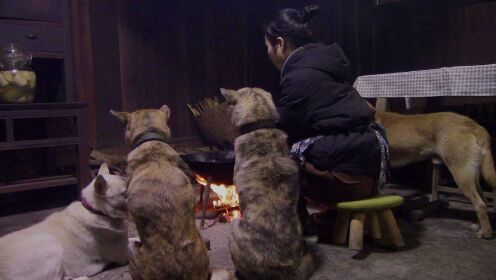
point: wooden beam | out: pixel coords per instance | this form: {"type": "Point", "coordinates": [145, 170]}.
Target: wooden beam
{"type": "Point", "coordinates": [82, 62]}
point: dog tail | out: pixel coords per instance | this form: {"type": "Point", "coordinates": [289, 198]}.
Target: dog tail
{"type": "Point", "coordinates": [487, 167]}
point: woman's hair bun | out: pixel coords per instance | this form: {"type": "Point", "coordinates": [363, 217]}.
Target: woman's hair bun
{"type": "Point", "coordinates": [292, 25]}
{"type": "Point", "coordinates": [308, 13]}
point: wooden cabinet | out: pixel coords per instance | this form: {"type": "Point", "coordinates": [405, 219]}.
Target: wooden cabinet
{"type": "Point", "coordinates": [34, 37]}
{"type": "Point", "coordinates": [45, 10]}
{"type": "Point", "coordinates": [41, 28]}
{"type": "Point", "coordinates": [43, 146]}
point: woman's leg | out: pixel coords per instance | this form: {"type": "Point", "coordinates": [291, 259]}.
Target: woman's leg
{"type": "Point", "coordinates": [333, 187]}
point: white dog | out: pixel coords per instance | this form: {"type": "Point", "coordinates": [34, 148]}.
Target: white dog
{"type": "Point", "coordinates": [76, 242]}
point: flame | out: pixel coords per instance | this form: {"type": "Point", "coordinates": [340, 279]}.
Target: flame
{"type": "Point", "coordinates": [228, 198]}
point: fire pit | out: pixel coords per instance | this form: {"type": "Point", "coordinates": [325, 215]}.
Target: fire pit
{"type": "Point", "coordinates": [215, 166]}
{"type": "Point", "coordinates": [214, 171]}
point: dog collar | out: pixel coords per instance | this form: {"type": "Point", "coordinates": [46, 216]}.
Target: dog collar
{"type": "Point", "coordinates": [91, 209]}
{"type": "Point", "coordinates": [250, 127]}
{"type": "Point", "coordinates": [149, 136]}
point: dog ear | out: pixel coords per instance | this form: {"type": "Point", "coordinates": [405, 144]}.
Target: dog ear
{"type": "Point", "coordinates": [122, 116]}
{"type": "Point", "coordinates": [104, 169]}
{"type": "Point", "coordinates": [229, 95]}
{"type": "Point", "coordinates": [166, 110]}
{"type": "Point", "coordinates": [262, 91]}
{"type": "Point", "coordinates": [100, 186]}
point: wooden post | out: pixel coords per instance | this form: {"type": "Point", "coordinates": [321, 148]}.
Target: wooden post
{"type": "Point", "coordinates": [436, 175]}
{"type": "Point", "coordinates": [342, 224]}
{"type": "Point", "coordinates": [381, 104]}
{"type": "Point", "coordinates": [393, 229]}
{"type": "Point", "coordinates": [356, 231]}
{"type": "Point", "coordinates": [206, 195]}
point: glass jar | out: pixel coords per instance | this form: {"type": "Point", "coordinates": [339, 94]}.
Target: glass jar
{"type": "Point", "coordinates": [17, 79]}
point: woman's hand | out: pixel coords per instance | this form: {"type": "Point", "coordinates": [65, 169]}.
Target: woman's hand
{"type": "Point", "coordinates": [344, 178]}
{"type": "Point", "coordinates": [311, 169]}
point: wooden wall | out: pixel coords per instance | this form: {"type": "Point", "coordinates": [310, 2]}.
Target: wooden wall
{"type": "Point", "coordinates": [145, 53]}
{"type": "Point", "coordinates": [175, 54]}
{"type": "Point", "coordinates": [425, 34]}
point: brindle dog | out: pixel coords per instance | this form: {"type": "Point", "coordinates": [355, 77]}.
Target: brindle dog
{"type": "Point", "coordinates": [161, 202]}
{"type": "Point", "coordinates": [267, 242]}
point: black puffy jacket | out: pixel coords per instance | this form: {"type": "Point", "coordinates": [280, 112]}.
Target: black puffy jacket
{"type": "Point", "coordinates": [317, 99]}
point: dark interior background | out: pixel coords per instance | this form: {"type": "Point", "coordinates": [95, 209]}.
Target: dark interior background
{"type": "Point", "coordinates": [145, 53]}
{"type": "Point", "coordinates": [131, 54]}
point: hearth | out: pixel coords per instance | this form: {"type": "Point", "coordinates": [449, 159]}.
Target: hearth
{"type": "Point", "coordinates": [214, 171]}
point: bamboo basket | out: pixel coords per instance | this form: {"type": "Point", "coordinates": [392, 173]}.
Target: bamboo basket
{"type": "Point", "coordinates": [214, 123]}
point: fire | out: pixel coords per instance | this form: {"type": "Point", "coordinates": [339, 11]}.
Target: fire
{"type": "Point", "coordinates": [228, 199]}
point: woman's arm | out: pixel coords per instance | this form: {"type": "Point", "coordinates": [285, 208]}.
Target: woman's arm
{"type": "Point", "coordinates": [293, 103]}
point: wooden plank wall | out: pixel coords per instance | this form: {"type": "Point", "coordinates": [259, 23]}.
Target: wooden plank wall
{"type": "Point", "coordinates": [177, 52]}
{"type": "Point", "coordinates": [425, 34]}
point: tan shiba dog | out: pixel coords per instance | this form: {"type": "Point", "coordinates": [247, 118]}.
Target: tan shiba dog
{"type": "Point", "coordinates": [462, 144]}
{"type": "Point", "coordinates": [79, 241]}
{"type": "Point", "coordinates": [161, 202]}
{"type": "Point", "coordinates": [267, 242]}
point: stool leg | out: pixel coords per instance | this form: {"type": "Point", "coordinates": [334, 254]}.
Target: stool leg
{"type": "Point", "coordinates": [342, 224]}
{"type": "Point", "coordinates": [375, 227]}
{"type": "Point", "coordinates": [356, 231]}
{"type": "Point", "coordinates": [392, 227]}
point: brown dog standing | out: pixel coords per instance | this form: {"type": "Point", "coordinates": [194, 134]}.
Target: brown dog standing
{"type": "Point", "coordinates": [161, 202]}
{"type": "Point", "coordinates": [462, 144]}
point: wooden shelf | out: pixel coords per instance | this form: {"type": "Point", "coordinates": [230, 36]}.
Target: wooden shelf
{"type": "Point", "coordinates": [38, 183]}
{"type": "Point", "coordinates": [12, 114]}
{"type": "Point", "coordinates": [39, 106]}
{"type": "Point", "coordinates": [42, 143]}
{"type": "Point", "coordinates": [43, 139]}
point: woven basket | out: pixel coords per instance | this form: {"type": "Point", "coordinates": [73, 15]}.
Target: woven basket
{"type": "Point", "coordinates": [216, 127]}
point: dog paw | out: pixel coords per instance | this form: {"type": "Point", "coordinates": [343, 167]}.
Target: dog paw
{"type": "Point", "coordinates": [222, 274]}
{"type": "Point", "coordinates": [133, 245]}
{"type": "Point", "coordinates": [475, 227]}
{"type": "Point", "coordinates": [134, 240]}
{"type": "Point", "coordinates": [484, 235]}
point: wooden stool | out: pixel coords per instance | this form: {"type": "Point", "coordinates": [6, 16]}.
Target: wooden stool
{"type": "Point", "coordinates": [367, 209]}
